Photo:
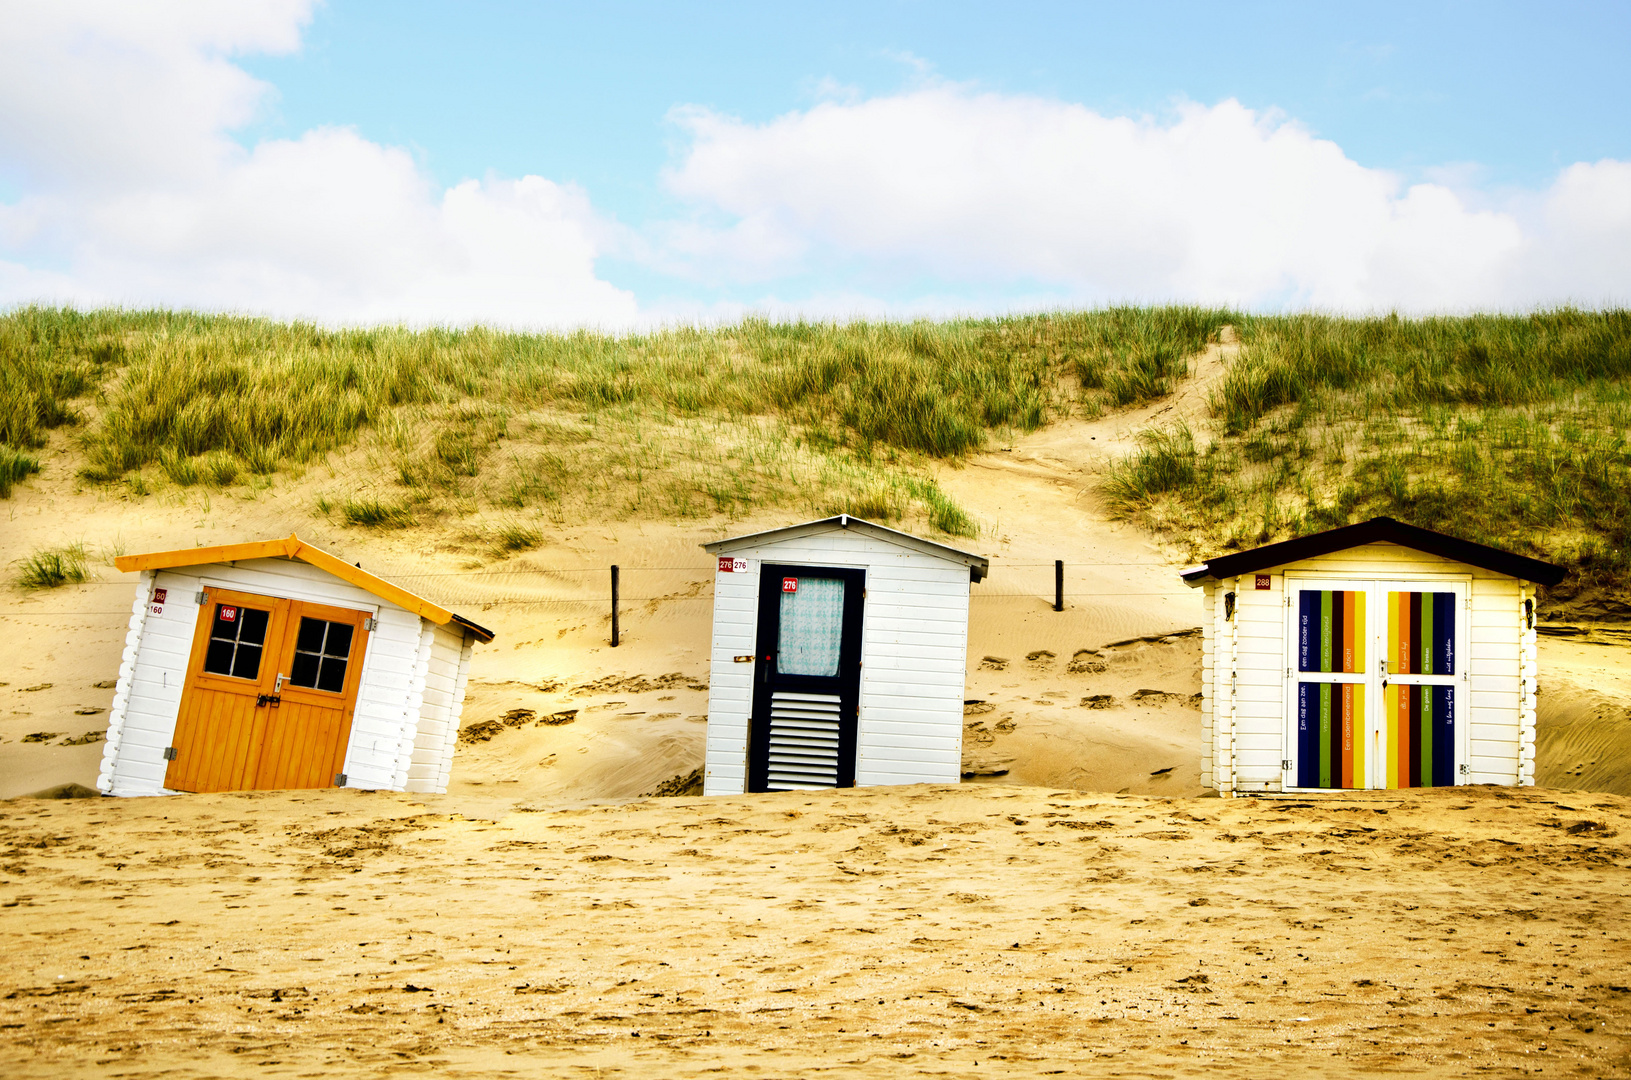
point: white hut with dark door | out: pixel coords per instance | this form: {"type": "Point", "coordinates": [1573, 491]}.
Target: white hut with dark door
{"type": "Point", "coordinates": [840, 650]}
{"type": "Point", "coordinates": [277, 665]}
{"type": "Point", "coordinates": [1378, 655]}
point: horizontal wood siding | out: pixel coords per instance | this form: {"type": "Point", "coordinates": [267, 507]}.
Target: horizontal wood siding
{"type": "Point", "coordinates": [914, 659]}
{"type": "Point", "coordinates": [431, 742]}
{"type": "Point", "coordinates": [156, 676]}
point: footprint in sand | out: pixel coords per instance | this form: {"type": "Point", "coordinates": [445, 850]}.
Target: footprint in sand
{"type": "Point", "coordinates": [1041, 658]}
{"type": "Point", "coordinates": [1087, 662]}
{"type": "Point", "coordinates": [993, 663]}
{"type": "Point", "coordinates": [1099, 701]}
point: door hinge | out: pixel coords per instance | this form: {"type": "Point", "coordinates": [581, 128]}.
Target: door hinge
{"type": "Point", "coordinates": [202, 597]}
{"type": "Point", "coordinates": [1285, 764]}
{"type": "Point", "coordinates": [1288, 599]}
{"type": "Point", "coordinates": [1464, 769]}
{"type": "Point", "coordinates": [339, 779]}
{"type": "Point", "coordinates": [169, 753]}
{"type": "Point", "coordinates": [370, 624]}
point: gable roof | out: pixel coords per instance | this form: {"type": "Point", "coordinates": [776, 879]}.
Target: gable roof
{"type": "Point", "coordinates": [295, 548]}
{"type": "Point", "coordinates": [1384, 530]}
{"type": "Point", "coordinates": [978, 565]}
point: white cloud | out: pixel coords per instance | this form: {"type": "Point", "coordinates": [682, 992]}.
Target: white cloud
{"type": "Point", "coordinates": [117, 119]}
{"type": "Point", "coordinates": [117, 126]}
{"type": "Point", "coordinates": [1220, 204]}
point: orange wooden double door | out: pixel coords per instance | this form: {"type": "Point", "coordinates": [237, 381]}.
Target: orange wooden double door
{"type": "Point", "coordinates": [271, 688]}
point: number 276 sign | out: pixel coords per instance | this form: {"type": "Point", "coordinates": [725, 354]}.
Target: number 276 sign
{"type": "Point", "coordinates": [728, 565]}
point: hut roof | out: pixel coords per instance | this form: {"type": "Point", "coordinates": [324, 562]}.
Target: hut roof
{"type": "Point", "coordinates": [1377, 530]}
{"type": "Point", "coordinates": [292, 547]}
{"type": "Point", "coordinates": [978, 565]}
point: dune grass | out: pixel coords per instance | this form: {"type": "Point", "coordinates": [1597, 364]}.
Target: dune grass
{"type": "Point", "coordinates": [52, 568]}
{"type": "Point", "coordinates": [1513, 431]}
{"type": "Point", "coordinates": [196, 399]}
{"type": "Point", "coordinates": [15, 467]}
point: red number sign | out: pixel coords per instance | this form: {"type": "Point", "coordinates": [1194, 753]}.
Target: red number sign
{"type": "Point", "coordinates": [1262, 581]}
{"type": "Point", "coordinates": [159, 595]}
{"type": "Point", "coordinates": [790, 584]}
{"type": "Point", "coordinates": [229, 614]}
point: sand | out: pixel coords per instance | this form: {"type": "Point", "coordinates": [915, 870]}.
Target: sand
{"type": "Point", "coordinates": [903, 932]}
{"type": "Point", "coordinates": [1075, 905]}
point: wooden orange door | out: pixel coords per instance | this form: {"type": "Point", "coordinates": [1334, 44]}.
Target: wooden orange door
{"type": "Point", "coordinates": [309, 726]}
{"type": "Point", "coordinates": [271, 689]}
{"type": "Point", "coordinates": [231, 676]}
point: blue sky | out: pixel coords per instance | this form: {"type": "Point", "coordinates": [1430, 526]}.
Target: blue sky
{"type": "Point", "coordinates": [624, 163]}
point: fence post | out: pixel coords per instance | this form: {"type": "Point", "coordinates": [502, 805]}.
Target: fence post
{"type": "Point", "coordinates": [1058, 584]}
{"type": "Point", "coordinates": [614, 607]}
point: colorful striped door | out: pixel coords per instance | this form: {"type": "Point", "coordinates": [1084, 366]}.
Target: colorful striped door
{"type": "Point", "coordinates": [1331, 682]}
{"type": "Point", "coordinates": [1373, 703]}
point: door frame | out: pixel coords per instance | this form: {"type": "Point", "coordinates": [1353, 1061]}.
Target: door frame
{"type": "Point", "coordinates": [766, 679]}
{"type": "Point", "coordinates": [277, 655]}
{"type": "Point", "coordinates": [1376, 587]}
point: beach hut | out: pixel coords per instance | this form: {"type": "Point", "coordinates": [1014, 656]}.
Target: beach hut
{"type": "Point", "coordinates": [276, 665]}
{"type": "Point", "coordinates": [1378, 655]}
{"type": "Point", "coordinates": [840, 650]}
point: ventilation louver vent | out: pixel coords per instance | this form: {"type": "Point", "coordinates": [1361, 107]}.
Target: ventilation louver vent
{"type": "Point", "coordinates": [803, 741]}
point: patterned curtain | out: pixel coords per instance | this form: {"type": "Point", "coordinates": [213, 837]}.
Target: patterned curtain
{"type": "Point", "coordinates": [812, 626]}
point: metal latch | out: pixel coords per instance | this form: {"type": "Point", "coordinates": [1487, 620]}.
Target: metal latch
{"type": "Point", "coordinates": [339, 779]}
{"type": "Point", "coordinates": [169, 753]}
{"type": "Point", "coordinates": [273, 700]}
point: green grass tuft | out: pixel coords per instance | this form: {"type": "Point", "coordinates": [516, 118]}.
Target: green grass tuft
{"type": "Point", "coordinates": [15, 467]}
{"type": "Point", "coordinates": [54, 567]}
{"type": "Point", "coordinates": [374, 514]}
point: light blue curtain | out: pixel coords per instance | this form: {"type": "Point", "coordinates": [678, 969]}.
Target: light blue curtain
{"type": "Point", "coordinates": [812, 627]}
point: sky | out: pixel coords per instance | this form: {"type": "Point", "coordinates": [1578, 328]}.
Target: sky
{"type": "Point", "coordinates": [624, 165]}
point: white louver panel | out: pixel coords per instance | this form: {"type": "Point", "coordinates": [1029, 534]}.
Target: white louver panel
{"type": "Point", "coordinates": [803, 741]}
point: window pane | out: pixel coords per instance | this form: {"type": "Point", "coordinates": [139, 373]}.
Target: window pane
{"type": "Point", "coordinates": [225, 627]}
{"type": "Point", "coordinates": [311, 635]}
{"type": "Point", "coordinates": [1421, 633]}
{"type": "Point", "coordinates": [1331, 630]}
{"type": "Point", "coordinates": [218, 660]}
{"type": "Point", "coordinates": [252, 626]}
{"type": "Point", "coordinates": [248, 663]}
{"type": "Point", "coordinates": [304, 672]}
{"type": "Point", "coordinates": [339, 640]}
{"type": "Point", "coordinates": [332, 677]}
{"type": "Point", "coordinates": [1331, 735]}
{"type": "Point", "coordinates": [811, 627]}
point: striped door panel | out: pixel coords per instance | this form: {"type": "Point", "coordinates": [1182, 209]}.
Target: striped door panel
{"type": "Point", "coordinates": [803, 741]}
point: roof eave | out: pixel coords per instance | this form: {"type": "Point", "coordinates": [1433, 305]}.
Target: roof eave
{"type": "Point", "coordinates": [979, 565]}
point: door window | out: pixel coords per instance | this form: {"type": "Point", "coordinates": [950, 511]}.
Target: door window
{"type": "Point", "coordinates": [321, 651]}
{"type": "Point", "coordinates": [237, 639]}
{"type": "Point", "coordinates": [812, 626]}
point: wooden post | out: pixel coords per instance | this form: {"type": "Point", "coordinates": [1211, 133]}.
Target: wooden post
{"type": "Point", "coordinates": [1058, 584]}
{"type": "Point", "coordinates": [614, 607]}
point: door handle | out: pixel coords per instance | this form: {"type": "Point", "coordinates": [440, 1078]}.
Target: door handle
{"type": "Point", "coordinates": [277, 685]}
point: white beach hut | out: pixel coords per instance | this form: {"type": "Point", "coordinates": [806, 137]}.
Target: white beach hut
{"type": "Point", "coordinates": [276, 665]}
{"type": "Point", "coordinates": [840, 650]}
{"type": "Point", "coordinates": [1378, 655]}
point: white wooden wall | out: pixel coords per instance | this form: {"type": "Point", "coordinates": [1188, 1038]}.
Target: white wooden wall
{"type": "Point", "coordinates": [395, 676]}
{"type": "Point", "coordinates": [914, 659]}
{"type": "Point", "coordinates": [1499, 710]}
{"type": "Point", "coordinates": [442, 703]}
